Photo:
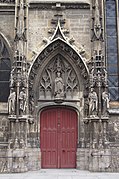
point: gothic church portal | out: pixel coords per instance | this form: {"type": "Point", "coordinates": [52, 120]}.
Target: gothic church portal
{"type": "Point", "coordinates": [59, 85]}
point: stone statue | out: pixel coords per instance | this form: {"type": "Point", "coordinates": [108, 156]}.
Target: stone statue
{"type": "Point", "coordinates": [11, 78]}
{"type": "Point", "coordinates": [93, 103]}
{"type": "Point", "coordinates": [22, 101]}
{"type": "Point", "coordinates": [59, 86]}
{"type": "Point", "coordinates": [16, 144]}
{"type": "Point", "coordinates": [105, 102]}
{"type": "Point", "coordinates": [11, 102]}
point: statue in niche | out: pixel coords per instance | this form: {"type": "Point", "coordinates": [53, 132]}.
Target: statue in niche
{"type": "Point", "coordinates": [105, 102]}
{"type": "Point", "coordinates": [11, 102]}
{"type": "Point", "coordinates": [59, 86]}
{"type": "Point", "coordinates": [11, 78]}
{"type": "Point", "coordinates": [16, 144]}
{"type": "Point", "coordinates": [22, 101]}
{"type": "Point", "coordinates": [93, 103]}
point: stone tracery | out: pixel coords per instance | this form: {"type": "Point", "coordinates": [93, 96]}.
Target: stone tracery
{"type": "Point", "coordinates": [58, 81]}
{"type": "Point", "coordinates": [70, 82]}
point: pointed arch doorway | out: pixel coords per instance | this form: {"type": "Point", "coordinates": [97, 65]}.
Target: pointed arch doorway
{"type": "Point", "coordinates": [58, 137]}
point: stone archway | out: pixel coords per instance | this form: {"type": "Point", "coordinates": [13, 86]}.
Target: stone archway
{"type": "Point", "coordinates": [58, 60]}
{"type": "Point", "coordinates": [68, 58]}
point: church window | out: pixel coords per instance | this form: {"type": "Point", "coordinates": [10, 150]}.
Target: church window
{"type": "Point", "coordinates": [112, 49]}
{"type": "Point", "coordinates": [5, 68]}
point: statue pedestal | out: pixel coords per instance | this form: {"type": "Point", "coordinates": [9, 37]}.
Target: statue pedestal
{"type": "Point", "coordinates": [99, 160]}
{"type": "Point", "coordinates": [17, 160]}
{"type": "Point", "coordinates": [17, 143]}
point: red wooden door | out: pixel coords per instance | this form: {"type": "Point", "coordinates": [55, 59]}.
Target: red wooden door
{"type": "Point", "coordinates": [58, 138]}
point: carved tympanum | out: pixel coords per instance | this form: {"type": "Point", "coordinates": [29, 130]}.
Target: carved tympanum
{"type": "Point", "coordinates": [58, 81]}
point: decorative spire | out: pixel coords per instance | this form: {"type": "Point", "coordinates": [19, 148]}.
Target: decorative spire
{"type": "Point", "coordinates": [17, 102]}
{"type": "Point", "coordinates": [98, 98]}
{"type": "Point", "coordinates": [97, 23]}
{"type": "Point", "coordinates": [58, 21]}
{"type": "Point", "coordinates": [58, 32]}
{"type": "Point", "coordinates": [98, 74]}
{"type": "Point", "coordinates": [21, 26]}
{"type": "Point", "coordinates": [19, 70]}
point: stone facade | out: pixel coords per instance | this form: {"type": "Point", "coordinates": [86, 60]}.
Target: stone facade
{"type": "Point", "coordinates": [58, 59]}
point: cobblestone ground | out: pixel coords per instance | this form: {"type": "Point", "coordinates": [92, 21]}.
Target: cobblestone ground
{"type": "Point", "coordinates": [60, 174]}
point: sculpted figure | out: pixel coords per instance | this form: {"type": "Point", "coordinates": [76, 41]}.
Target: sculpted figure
{"type": "Point", "coordinates": [22, 101]}
{"type": "Point", "coordinates": [105, 102]}
{"type": "Point", "coordinates": [93, 102]}
{"type": "Point", "coordinates": [11, 102]}
{"type": "Point", "coordinates": [59, 86]}
{"type": "Point", "coordinates": [11, 78]}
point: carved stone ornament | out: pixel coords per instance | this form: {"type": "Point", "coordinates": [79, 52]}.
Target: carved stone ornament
{"type": "Point", "coordinates": [105, 102]}
{"type": "Point", "coordinates": [22, 101]}
{"type": "Point", "coordinates": [58, 80]}
{"type": "Point", "coordinates": [11, 102]}
{"type": "Point", "coordinates": [68, 75]}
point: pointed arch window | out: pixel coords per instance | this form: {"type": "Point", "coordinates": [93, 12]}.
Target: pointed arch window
{"type": "Point", "coordinates": [112, 49]}
{"type": "Point", "coordinates": [5, 68]}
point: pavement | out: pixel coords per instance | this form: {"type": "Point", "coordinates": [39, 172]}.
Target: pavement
{"type": "Point", "coordinates": [60, 174]}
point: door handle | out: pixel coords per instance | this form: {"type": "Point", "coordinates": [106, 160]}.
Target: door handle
{"type": "Point", "coordinates": [63, 150]}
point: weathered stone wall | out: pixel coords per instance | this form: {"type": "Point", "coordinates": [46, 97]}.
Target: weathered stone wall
{"type": "Point", "coordinates": [33, 159]}
{"type": "Point", "coordinates": [114, 128]}
{"type": "Point", "coordinates": [82, 159]}
{"type": "Point", "coordinates": [3, 157]}
{"type": "Point", "coordinates": [114, 158]}
{"type": "Point", "coordinates": [77, 21]}
{"type": "Point", "coordinates": [3, 122]}
{"type": "Point", "coordinates": [7, 20]}
{"type": "Point", "coordinates": [3, 128]}
{"type": "Point", "coordinates": [3, 136]}
{"type": "Point", "coordinates": [103, 160]}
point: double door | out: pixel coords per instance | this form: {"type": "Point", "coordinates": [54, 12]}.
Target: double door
{"type": "Point", "coordinates": [58, 138]}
